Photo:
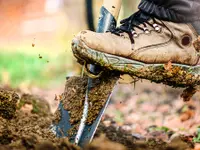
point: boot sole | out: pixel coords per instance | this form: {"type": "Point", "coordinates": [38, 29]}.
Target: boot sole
{"type": "Point", "coordinates": [176, 75]}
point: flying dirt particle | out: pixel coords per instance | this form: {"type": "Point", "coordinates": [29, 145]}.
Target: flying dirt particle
{"type": "Point", "coordinates": [33, 43]}
{"type": "Point", "coordinates": [40, 56]}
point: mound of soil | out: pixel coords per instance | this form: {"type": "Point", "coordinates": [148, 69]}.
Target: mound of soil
{"type": "Point", "coordinates": [31, 130]}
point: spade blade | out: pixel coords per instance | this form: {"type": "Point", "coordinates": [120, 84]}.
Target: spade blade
{"type": "Point", "coordinates": [62, 128]}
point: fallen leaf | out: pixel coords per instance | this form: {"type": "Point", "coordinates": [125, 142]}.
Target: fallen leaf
{"type": "Point", "coordinates": [60, 97]}
{"type": "Point", "coordinates": [168, 66]}
{"type": "Point", "coordinates": [187, 115]}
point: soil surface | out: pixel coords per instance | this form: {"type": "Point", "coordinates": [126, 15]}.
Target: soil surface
{"type": "Point", "coordinates": [29, 129]}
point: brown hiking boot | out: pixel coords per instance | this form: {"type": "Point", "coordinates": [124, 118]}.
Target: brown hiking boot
{"type": "Point", "coordinates": [141, 42]}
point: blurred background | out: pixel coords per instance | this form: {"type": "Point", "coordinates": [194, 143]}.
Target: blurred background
{"type": "Point", "coordinates": [35, 39]}
{"type": "Point", "coordinates": [35, 57]}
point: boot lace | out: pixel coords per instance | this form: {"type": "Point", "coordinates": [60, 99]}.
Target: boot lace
{"type": "Point", "coordinates": [129, 24]}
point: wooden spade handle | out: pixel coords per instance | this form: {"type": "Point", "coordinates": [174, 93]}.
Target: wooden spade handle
{"type": "Point", "coordinates": [113, 6]}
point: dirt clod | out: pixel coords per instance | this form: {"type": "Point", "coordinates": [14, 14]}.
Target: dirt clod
{"type": "Point", "coordinates": [8, 103]}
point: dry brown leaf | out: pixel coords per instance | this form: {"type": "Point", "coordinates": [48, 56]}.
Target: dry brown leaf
{"type": "Point", "coordinates": [168, 66]}
{"type": "Point", "coordinates": [187, 115]}
{"type": "Point", "coordinates": [60, 97]}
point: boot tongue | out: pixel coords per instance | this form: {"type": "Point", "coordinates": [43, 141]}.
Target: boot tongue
{"type": "Point", "coordinates": [196, 25]}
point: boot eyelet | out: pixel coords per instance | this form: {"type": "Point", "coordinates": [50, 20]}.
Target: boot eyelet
{"type": "Point", "coordinates": [155, 25]}
{"type": "Point", "coordinates": [146, 31]}
{"type": "Point", "coordinates": [157, 28]}
{"type": "Point", "coordinates": [135, 35]}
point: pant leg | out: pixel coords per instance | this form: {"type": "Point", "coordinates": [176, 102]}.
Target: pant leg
{"type": "Point", "coordinates": [172, 10]}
